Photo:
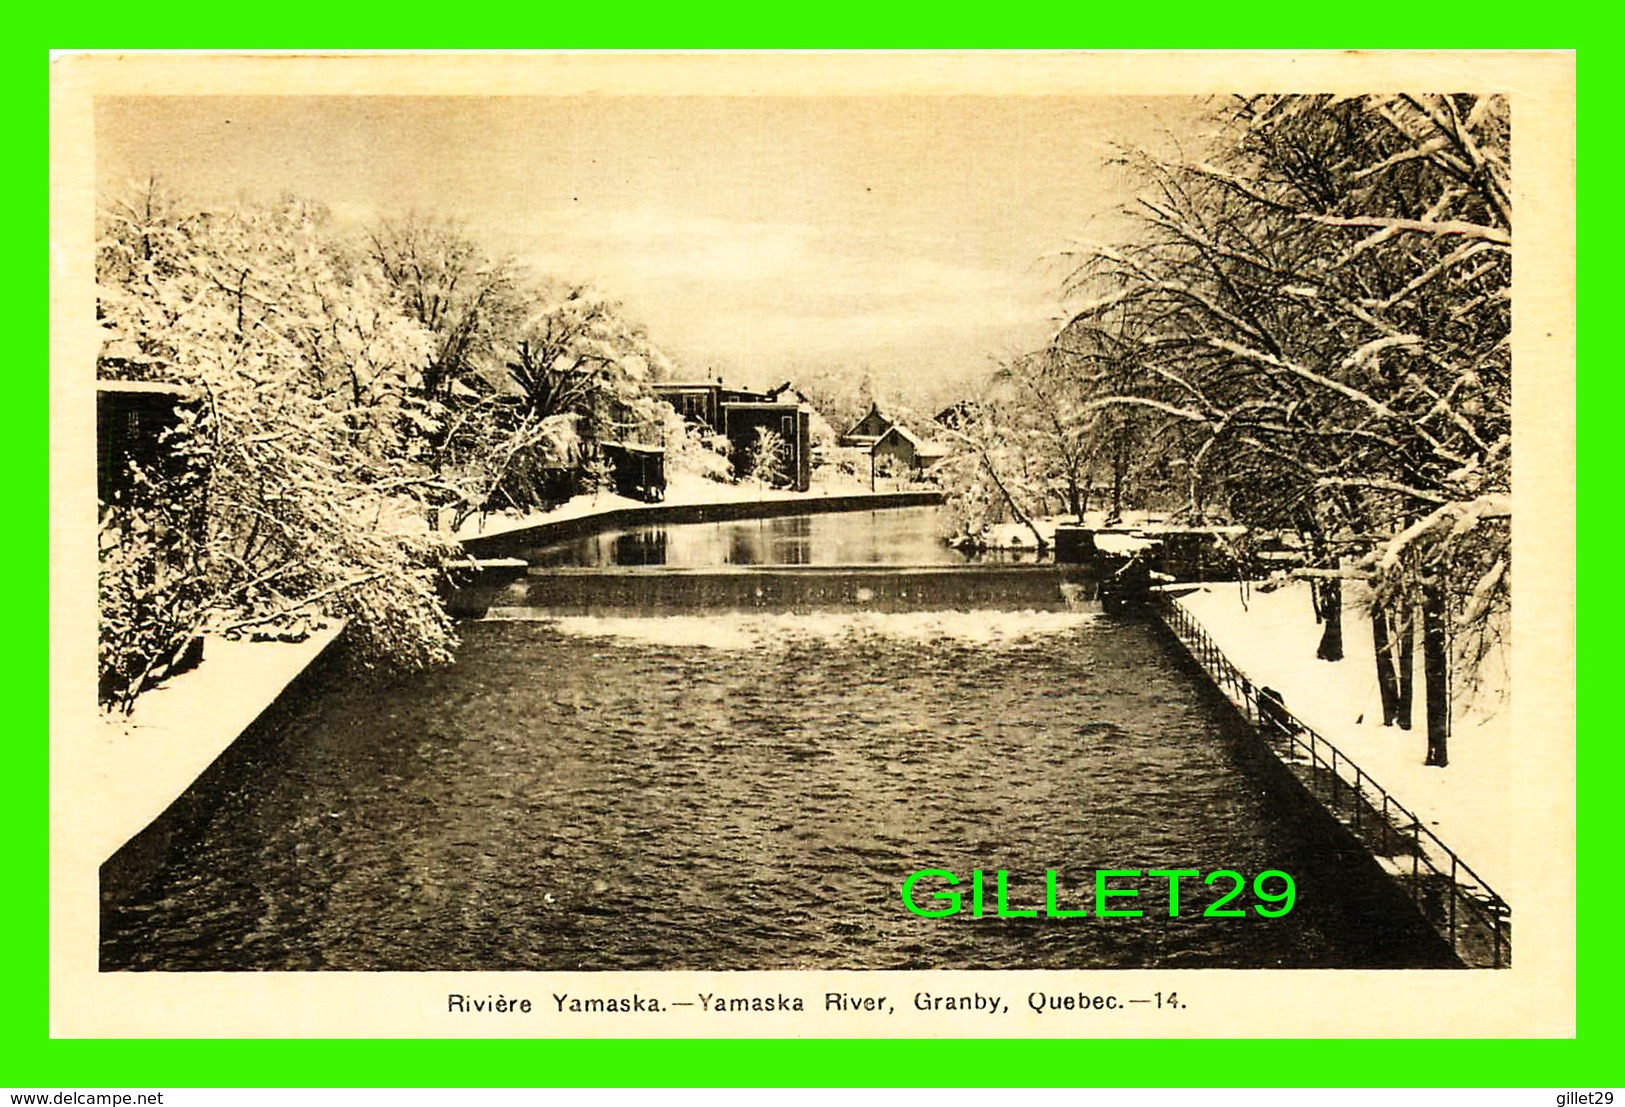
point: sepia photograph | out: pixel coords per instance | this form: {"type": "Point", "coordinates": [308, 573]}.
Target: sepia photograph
{"type": "Point", "coordinates": [679, 529]}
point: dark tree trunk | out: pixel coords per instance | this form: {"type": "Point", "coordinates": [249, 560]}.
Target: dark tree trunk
{"type": "Point", "coordinates": [1119, 473]}
{"type": "Point", "coordinates": [1326, 594]}
{"type": "Point", "coordinates": [1331, 609]}
{"type": "Point", "coordinates": [1387, 671]}
{"type": "Point", "coordinates": [1436, 673]}
{"type": "Point", "coordinates": [1407, 665]}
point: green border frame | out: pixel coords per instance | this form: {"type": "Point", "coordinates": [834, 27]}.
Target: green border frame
{"type": "Point", "coordinates": [29, 1058]}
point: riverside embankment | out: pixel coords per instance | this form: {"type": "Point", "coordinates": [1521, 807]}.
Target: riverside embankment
{"type": "Point", "coordinates": [1439, 833]}
{"type": "Point", "coordinates": [142, 764]}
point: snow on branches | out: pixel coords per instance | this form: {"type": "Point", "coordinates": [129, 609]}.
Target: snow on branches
{"type": "Point", "coordinates": [1317, 314]}
{"type": "Point", "coordinates": [298, 454]}
{"type": "Point", "coordinates": [348, 396]}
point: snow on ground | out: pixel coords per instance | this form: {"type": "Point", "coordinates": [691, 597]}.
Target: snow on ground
{"type": "Point", "coordinates": [681, 489]}
{"type": "Point", "coordinates": [142, 762]}
{"type": "Point", "coordinates": [1016, 536]}
{"type": "Point", "coordinates": [1122, 544]}
{"type": "Point", "coordinates": [1272, 637]}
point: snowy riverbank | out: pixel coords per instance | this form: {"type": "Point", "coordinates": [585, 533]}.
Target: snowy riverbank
{"type": "Point", "coordinates": [1271, 636]}
{"type": "Point", "coordinates": [143, 761]}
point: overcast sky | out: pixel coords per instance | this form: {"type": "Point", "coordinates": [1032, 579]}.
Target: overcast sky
{"type": "Point", "coordinates": [754, 236]}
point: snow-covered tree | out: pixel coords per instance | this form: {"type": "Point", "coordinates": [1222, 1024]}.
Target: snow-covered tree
{"type": "Point", "coordinates": [1047, 419]}
{"type": "Point", "coordinates": [345, 395]}
{"type": "Point", "coordinates": [994, 472]}
{"type": "Point", "coordinates": [767, 459]}
{"type": "Point", "coordinates": [301, 449]}
{"type": "Point", "coordinates": [446, 280]}
{"type": "Point", "coordinates": [1324, 304]}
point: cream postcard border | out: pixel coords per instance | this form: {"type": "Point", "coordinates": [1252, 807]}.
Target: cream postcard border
{"type": "Point", "coordinates": [1534, 998]}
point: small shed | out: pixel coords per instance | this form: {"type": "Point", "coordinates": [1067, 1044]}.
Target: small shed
{"type": "Point", "coordinates": [639, 472]}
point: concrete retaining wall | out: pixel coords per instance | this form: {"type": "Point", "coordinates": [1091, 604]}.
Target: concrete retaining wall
{"type": "Point", "coordinates": [147, 851]}
{"type": "Point", "coordinates": [508, 543]}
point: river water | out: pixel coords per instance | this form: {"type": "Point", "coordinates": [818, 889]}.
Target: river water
{"type": "Point", "coordinates": [749, 791]}
{"type": "Point", "coordinates": [891, 536]}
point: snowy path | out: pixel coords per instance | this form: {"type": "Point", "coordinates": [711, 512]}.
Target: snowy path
{"type": "Point", "coordinates": [1272, 638]}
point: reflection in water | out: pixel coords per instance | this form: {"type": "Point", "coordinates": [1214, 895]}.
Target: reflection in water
{"type": "Point", "coordinates": [599, 794]}
{"type": "Point", "coordinates": [640, 547]}
{"type": "Point", "coordinates": [893, 536]}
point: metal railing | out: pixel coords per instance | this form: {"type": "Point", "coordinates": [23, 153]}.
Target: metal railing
{"type": "Point", "coordinates": [1453, 898]}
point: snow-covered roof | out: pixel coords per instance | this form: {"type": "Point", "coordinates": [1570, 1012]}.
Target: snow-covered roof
{"type": "Point", "coordinates": [1123, 543]}
{"type": "Point", "coordinates": [903, 433]}
{"type": "Point", "coordinates": [123, 349]}
{"type": "Point", "coordinates": [874, 412]}
{"type": "Point", "coordinates": [165, 388]}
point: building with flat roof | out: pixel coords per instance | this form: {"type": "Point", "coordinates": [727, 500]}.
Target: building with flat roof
{"type": "Point", "coordinates": [743, 424]}
{"type": "Point", "coordinates": [740, 415]}
{"type": "Point", "coordinates": [701, 401]}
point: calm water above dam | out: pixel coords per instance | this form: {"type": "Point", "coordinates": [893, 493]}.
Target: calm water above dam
{"type": "Point", "coordinates": [748, 791]}
{"type": "Point", "coordinates": [890, 536]}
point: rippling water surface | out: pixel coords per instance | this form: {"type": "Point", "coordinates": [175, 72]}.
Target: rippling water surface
{"type": "Point", "coordinates": [745, 792]}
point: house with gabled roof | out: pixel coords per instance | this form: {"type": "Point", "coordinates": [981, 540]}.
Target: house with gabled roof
{"type": "Point", "coordinates": [867, 431]}
{"type": "Point", "coordinates": [907, 449]}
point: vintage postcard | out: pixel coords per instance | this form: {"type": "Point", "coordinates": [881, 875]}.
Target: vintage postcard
{"type": "Point", "coordinates": [834, 545]}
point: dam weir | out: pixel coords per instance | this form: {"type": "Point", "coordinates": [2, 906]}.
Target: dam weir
{"type": "Point", "coordinates": [727, 745]}
{"type": "Point", "coordinates": [885, 560]}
